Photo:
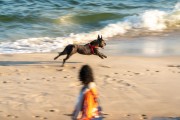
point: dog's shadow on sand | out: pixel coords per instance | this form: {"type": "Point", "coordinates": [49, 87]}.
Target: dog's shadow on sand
{"type": "Point", "coordinates": [22, 63]}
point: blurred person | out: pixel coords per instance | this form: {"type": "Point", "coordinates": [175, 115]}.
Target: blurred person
{"type": "Point", "coordinates": [87, 107]}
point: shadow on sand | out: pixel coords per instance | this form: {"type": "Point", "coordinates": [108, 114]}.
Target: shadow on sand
{"type": "Point", "coordinates": [166, 118]}
{"type": "Point", "coordinates": [21, 63]}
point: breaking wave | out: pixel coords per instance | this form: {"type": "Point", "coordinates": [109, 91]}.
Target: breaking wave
{"type": "Point", "coordinates": [147, 21]}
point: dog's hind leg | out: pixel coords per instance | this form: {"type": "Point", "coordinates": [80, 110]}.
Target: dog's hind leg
{"type": "Point", "coordinates": [60, 53]}
{"type": "Point", "coordinates": [67, 57]}
{"type": "Point", "coordinates": [71, 51]}
{"type": "Point", "coordinates": [67, 50]}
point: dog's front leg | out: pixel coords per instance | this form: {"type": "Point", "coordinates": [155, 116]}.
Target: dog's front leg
{"type": "Point", "coordinates": [101, 55]}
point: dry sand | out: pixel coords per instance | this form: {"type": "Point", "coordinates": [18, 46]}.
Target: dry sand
{"type": "Point", "coordinates": [34, 87]}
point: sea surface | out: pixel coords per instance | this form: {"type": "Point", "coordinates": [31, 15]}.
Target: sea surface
{"type": "Point", "coordinates": [29, 26]}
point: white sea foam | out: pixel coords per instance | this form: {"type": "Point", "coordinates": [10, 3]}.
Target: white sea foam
{"type": "Point", "coordinates": [150, 20]}
{"type": "Point", "coordinates": [154, 20]}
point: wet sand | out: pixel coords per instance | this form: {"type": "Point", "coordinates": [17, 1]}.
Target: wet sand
{"type": "Point", "coordinates": [159, 44]}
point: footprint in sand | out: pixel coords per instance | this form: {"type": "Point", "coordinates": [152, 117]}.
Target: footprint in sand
{"type": "Point", "coordinates": [127, 84]}
{"type": "Point", "coordinates": [73, 68]}
{"type": "Point", "coordinates": [137, 73]}
{"type": "Point", "coordinates": [107, 76]}
{"type": "Point", "coordinates": [68, 76]}
{"type": "Point", "coordinates": [45, 118]}
{"type": "Point", "coordinates": [104, 66]}
{"type": "Point", "coordinates": [172, 71]}
{"type": "Point", "coordinates": [129, 73]}
{"type": "Point", "coordinates": [52, 110]}
{"type": "Point", "coordinates": [4, 82]}
{"type": "Point", "coordinates": [143, 116]}
{"type": "Point", "coordinates": [18, 72]}
{"type": "Point", "coordinates": [36, 116]}
{"type": "Point", "coordinates": [40, 117]}
{"type": "Point", "coordinates": [120, 81]}
{"type": "Point", "coordinates": [123, 83]}
{"type": "Point", "coordinates": [60, 70]}
{"type": "Point", "coordinates": [12, 116]}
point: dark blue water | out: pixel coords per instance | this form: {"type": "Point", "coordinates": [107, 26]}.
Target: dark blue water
{"type": "Point", "coordinates": [36, 25]}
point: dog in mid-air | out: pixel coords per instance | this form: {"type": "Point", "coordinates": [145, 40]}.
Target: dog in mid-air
{"type": "Point", "coordinates": [87, 49]}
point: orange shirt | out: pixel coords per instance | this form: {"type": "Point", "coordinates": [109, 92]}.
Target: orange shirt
{"type": "Point", "coordinates": [90, 104]}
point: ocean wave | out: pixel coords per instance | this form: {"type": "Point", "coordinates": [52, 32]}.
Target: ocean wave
{"type": "Point", "coordinates": [94, 19]}
{"type": "Point", "coordinates": [147, 21]}
{"type": "Point", "coordinates": [25, 19]}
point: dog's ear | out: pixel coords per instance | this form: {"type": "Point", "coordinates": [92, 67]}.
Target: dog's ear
{"type": "Point", "coordinates": [101, 36]}
{"type": "Point", "coordinates": [98, 37]}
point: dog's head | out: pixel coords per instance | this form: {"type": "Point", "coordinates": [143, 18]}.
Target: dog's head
{"type": "Point", "coordinates": [101, 42]}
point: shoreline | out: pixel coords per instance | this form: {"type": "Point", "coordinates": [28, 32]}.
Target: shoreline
{"type": "Point", "coordinates": [34, 86]}
{"type": "Point", "coordinates": [153, 45]}
{"type": "Point", "coordinates": [160, 45]}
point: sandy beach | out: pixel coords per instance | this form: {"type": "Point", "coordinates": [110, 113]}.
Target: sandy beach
{"type": "Point", "coordinates": [35, 87]}
{"type": "Point", "coordinates": [139, 79]}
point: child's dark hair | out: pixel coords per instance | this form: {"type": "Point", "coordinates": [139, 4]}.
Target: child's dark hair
{"type": "Point", "coordinates": [86, 74]}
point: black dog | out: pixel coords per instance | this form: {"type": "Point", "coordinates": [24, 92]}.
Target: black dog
{"type": "Point", "coordinates": [87, 49]}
